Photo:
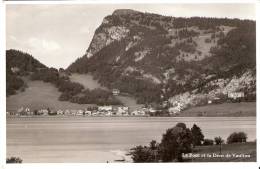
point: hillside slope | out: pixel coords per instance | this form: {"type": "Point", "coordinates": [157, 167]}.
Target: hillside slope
{"type": "Point", "coordinates": [184, 61]}
{"type": "Point", "coordinates": [19, 64]}
{"type": "Point", "coordinates": [40, 95]}
{"type": "Point", "coordinates": [23, 69]}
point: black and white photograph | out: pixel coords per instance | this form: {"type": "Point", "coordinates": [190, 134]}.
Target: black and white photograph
{"type": "Point", "coordinates": [131, 83]}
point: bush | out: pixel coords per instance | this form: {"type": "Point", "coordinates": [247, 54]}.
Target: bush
{"type": "Point", "coordinates": [14, 160]}
{"type": "Point", "coordinates": [237, 137]}
{"type": "Point", "coordinates": [141, 154]}
{"type": "Point", "coordinates": [208, 142]}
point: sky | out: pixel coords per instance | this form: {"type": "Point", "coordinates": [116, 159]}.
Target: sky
{"type": "Point", "coordinates": [58, 34]}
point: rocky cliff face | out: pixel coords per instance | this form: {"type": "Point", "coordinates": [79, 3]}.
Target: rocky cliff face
{"type": "Point", "coordinates": [185, 61]}
{"type": "Point", "coordinates": [106, 37]}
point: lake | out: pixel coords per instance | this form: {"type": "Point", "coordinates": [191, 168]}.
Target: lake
{"type": "Point", "coordinates": [102, 139]}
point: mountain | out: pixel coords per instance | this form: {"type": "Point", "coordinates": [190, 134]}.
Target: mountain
{"type": "Point", "coordinates": [182, 61]}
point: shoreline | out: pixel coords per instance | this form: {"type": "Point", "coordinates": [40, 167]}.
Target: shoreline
{"type": "Point", "coordinates": [65, 116]}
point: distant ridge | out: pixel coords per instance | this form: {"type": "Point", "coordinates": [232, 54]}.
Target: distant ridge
{"type": "Point", "coordinates": [125, 12]}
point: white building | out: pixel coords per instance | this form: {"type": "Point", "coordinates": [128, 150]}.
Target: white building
{"type": "Point", "coordinates": [138, 113]}
{"type": "Point", "coordinates": [122, 111]}
{"type": "Point", "coordinates": [28, 112]}
{"type": "Point", "coordinates": [88, 113]}
{"type": "Point", "coordinates": [15, 69]}
{"type": "Point", "coordinates": [59, 112]}
{"type": "Point", "coordinates": [80, 113]}
{"type": "Point", "coordinates": [67, 112]}
{"type": "Point", "coordinates": [176, 109]}
{"type": "Point", "coordinates": [236, 95]}
{"type": "Point", "coordinates": [43, 112]}
{"type": "Point", "coordinates": [115, 92]}
{"type": "Point", "coordinates": [20, 110]}
{"type": "Point", "coordinates": [73, 112]}
{"type": "Point", "coordinates": [108, 113]}
{"type": "Point", "coordinates": [105, 108]}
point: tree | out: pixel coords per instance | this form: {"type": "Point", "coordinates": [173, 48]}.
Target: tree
{"type": "Point", "coordinates": [197, 135]}
{"type": "Point", "coordinates": [14, 160]}
{"type": "Point", "coordinates": [175, 141]}
{"type": "Point", "coordinates": [218, 140]}
{"type": "Point", "coordinates": [153, 145]}
{"type": "Point", "coordinates": [237, 137]}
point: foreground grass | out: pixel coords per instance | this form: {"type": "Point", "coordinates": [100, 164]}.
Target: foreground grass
{"type": "Point", "coordinates": [224, 109]}
{"type": "Point", "coordinates": [245, 152]}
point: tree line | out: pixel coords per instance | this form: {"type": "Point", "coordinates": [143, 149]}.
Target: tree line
{"type": "Point", "coordinates": [177, 141]}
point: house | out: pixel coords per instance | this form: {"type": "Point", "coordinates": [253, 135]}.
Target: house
{"type": "Point", "coordinates": [138, 113]}
{"type": "Point", "coordinates": [27, 111]}
{"type": "Point", "coordinates": [105, 108]}
{"type": "Point", "coordinates": [152, 110]}
{"type": "Point", "coordinates": [176, 109]}
{"type": "Point", "coordinates": [59, 112]}
{"type": "Point", "coordinates": [80, 113]}
{"type": "Point", "coordinates": [67, 112]}
{"type": "Point", "coordinates": [43, 112]}
{"type": "Point", "coordinates": [88, 113]}
{"type": "Point", "coordinates": [94, 113]}
{"type": "Point", "coordinates": [11, 113]}
{"type": "Point", "coordinates": [73, 112]}
{"type": "Point", "coordinates": [20, 110]}
{"type": "Point", "coordinates": [15, 69]}
{"type": "Point", "coordinates": [216, 100]}
{"type": "Point", "coordinates": [108, 113]}
{"type": "Point", "coordinates": [115, 92]}
{"type": "Point", "coordinates": [122, 111]}
{"type": "Point", "coordinates": [236, 95]}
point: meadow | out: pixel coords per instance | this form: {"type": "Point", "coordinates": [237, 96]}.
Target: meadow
{"type": "Point", "coordinates": [224, 109]}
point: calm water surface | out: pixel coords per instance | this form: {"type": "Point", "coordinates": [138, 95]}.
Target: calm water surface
{"type": "Point", "coordinates": [101, 139]}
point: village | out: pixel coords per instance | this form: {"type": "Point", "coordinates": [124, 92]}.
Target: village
{"type": "Point", "coordinates": [110, 110]}
{"type": "Point", "coordinates": [90, 111]}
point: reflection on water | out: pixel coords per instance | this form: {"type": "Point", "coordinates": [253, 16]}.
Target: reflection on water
{"type": "Point", "coordinates": [97, 139]}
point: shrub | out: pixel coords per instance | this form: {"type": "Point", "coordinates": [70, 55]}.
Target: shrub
{"type": "Point", "coordinates": [14, 160]}
{"type": "Point", "coordinates": [141, 154]}
{"type": "Point", "coordinates": [208, 142]}
{"type": "Point", "coordinates": [237, 137]}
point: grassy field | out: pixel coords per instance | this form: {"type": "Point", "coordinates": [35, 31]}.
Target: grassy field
{"type": "Point", "coordinates": [225, 109]}
{"type": "Point", "coordinates": [237, 152]}
{"type": "Point", "coordinates": [40, 95]}
{"type": "Point", "coordinates": [86, 80]}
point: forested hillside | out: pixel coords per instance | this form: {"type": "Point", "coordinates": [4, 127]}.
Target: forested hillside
{"type": "Point", "coordinates": [19, 64]}
{"type": "Point", "coordinates": [180, 60]}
